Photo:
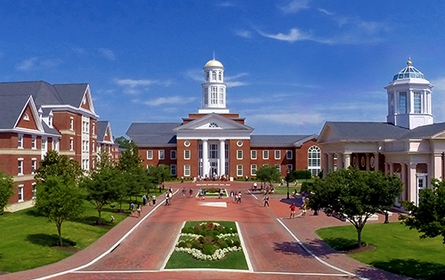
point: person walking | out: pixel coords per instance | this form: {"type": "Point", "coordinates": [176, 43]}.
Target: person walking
{"type": "Point", "coordinates": [266, 200]}
{"type": "Point", "coordinates": [139, 209]}
{"type": "Point", "coordinates": [132, 209]}
{"type": "Point", "coordinates": [167, 199]}
{"type": "Point", "coordinates": [153, 200]}
{"type": "Point", "coordinates": [292, 211]}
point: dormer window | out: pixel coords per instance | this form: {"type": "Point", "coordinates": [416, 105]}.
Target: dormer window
{"type": "Point", "coordinates": [50, 121]}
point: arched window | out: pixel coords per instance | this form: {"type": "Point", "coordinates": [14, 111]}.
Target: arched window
{"type": "Point", "coordinates": [314, 160]}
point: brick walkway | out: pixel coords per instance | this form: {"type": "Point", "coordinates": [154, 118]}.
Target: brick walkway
{"type": "Point", "coordinates": [277, 246]}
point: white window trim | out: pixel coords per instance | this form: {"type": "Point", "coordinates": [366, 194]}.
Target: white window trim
{"type": "Point", "coordinates": [253, 152]}
{"type": "Point", "coordinates": [264, 154]}
{"type": "Point", "coordinates": [238, 153]}
{"type": "Point", "coordinates": [275, 153]}
{"type": "Point", "coordinates": [161, 152]}
{"type": "Point", "coordinates": [20, 140]}
{"type": "Point", "coordinates": [291, 154]}
{"type": "Point", "coordinates": [20, 189]}
{"type": "Point", "coordinates": [173, 154]}
{"type": "Point", "coordinates": [149, 151]}
{"type": "Point", "coordinates": [185, 154]}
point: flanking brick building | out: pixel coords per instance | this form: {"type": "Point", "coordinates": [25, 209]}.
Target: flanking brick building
{"type": "Point", "coordinates": [36, 117]}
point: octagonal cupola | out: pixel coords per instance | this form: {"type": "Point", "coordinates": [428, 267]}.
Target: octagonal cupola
{"type": "Point", "coordinates": [409, 98]}
{"type": "Point", "coordinates": [213, 88]}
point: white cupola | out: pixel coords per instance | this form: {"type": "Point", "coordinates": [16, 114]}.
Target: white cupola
{"type": "Point", "coordinates": [213, 89]}
{"type": "Point", "coordinates": [409, 99]}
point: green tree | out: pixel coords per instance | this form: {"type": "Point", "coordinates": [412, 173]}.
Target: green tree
{"type": "Point", "coordinates": [134, 175]}
{"type": "Point", "coordinates": [58, 165]}
{"type": "Point", "coordinates": [58, 200]}
{"type": "Point", "coordinates": [6, 190]}
{"type": "Point", "coordinates": [101, 187]}
{"type": "Point", "coordinates": [268, 174]}
{"type": "Point", "coordinates": [354, 195]}
{"type": "Point", "coordinates": [429, 216]}
{"type": "Point", "coordinates": [123, 142]}
{"type": "Point", "coordinates": [159, 174]}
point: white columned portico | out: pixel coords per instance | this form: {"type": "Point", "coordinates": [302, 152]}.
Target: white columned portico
{"type": "Point", "coordinates": [222, 157]}
{"type": "Point", "coordinates": [205, 158]}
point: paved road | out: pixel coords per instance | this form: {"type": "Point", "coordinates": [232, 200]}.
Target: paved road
{"type": "Point", "coordinates": [276, 246]}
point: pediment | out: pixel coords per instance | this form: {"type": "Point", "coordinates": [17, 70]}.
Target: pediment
{"type": "Point", "coordinates": [213, 122]}
{"type": "Point", "coordinates": [440, 135]}
{"type": "Point", "coordinates": [327, 134]}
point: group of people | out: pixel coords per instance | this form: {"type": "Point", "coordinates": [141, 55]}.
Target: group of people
{"type": "Point", "coordinates": [235, 197]}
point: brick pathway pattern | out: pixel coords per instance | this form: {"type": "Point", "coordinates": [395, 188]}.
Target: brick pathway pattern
{"type": "Point", "coordinates": [276, 246]}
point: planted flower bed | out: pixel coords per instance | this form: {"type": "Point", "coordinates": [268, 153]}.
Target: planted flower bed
{"type": "Point", "coordinates": [208, 245]}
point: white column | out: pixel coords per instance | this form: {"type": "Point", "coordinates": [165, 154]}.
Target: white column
{"type": "Point", "coordinates": [222, 157]}
{"type": "Point", "coordinates": [340, 159]}
{"type": "Point", "coordinates": [367, 164]}
{"type": "Point", "coordinates": [376, 162]}
{"type": "Point", "coordinates": [413, 192]}
{"type": "Point", "coordinates": [330, 162]}
{"type": "Point", "coordinates": [347, 160]}
{"type": "Point", "coordinates": [205, 158]}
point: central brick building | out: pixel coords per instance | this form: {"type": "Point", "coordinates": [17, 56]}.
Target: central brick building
{"type": "Point", "coordinates": [215, 142]}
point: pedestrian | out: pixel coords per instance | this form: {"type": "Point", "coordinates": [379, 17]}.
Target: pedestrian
{"type": "Point", "coordinates": [292, 211]}
{"type": "Point", "coordinates": [221, 193]}
{"type": "Point", "coordinates": [153, 199]}
{"type": "Point", "coordinates": [266, 200]}
{"type": "Point", "coordinates": [167, 199]}
{"type": "Point", "coordinates": [132, 209]}
{"type": "Point", "coordinates": [111, 219]}
{"type": "Point", "coordinates": [184, 191]}
{"type": "Point", "coordinates": [304, 207]}
{"type": "Point", "coordinates": [139, 209]}
{"type": "Point", "coordinates": [232, 196]}
{"type": "Point", "coordinates": [191, 192]}
{"type": "Point", "coordinates": [144, 200]}
{"type": "Point", "coordinates": [239, 197]}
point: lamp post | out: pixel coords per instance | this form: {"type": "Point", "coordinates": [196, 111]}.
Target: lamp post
{"type": "Point", "coordinates": [287, 182]}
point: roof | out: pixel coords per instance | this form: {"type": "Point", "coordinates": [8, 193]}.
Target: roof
{"type": "Point", "coordinates": [11, 107]}
{"type": "Point", "coordinates": [426, 131]}
{"type": "Point", "coordinates": [366, 131]}
{"type": "Point", "coordinates": [152, 134]}
{"type": "Point", "coordinates": [101, 129]}
{"type": "Point", "coordinates": [408, 72]}
{"type": "Point", "coordinates": [213, 63]}
{"type": "Point", "coordinates": [279, 140]}
{"type": "Point", "coordinates": [71, 94]}
{"type": "Point", "coordinates": [45, 93]}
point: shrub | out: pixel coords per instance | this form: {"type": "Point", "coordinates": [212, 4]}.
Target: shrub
{"type": "Point", "coordinates": [208, 249]}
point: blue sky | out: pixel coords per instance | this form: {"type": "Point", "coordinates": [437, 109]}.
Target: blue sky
{"type": "Point", "coordinates": [290, 65]}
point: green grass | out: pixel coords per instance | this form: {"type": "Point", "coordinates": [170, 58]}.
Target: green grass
{"type": "Point", "coordinates": [27, 240]}
{"type": "Point", "coordinates": [398, 249]}
{"type": "Point", "coordinates": [234, 260]}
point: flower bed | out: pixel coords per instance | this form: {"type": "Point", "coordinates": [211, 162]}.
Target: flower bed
{"type": "Point", "coordinates": [209, 241]}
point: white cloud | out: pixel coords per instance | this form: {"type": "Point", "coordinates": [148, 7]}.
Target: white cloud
{"type": "Point", "coordinates": [226, 4]}
{"type": "Point", "coordinates": [108, 54]}
{"type": "Point", "coordinates": [293, 35]}
{"type": "Point", "coordinates": [195, 75]}
{"type": "Point", "coordinates": [236, 84]}
{"type": "Point", "coordinates": [326, 12]}
{"type": "Point", "coordinates": [134, 87]}
{"type": "Point", "coordinates": [168, 100]}
{"type": "Point", "coordinates": [35, 63]}
{"type": "Point", "coordinates": [243, 33]}
{"type": "Point", "coordinates": [295, 6]}
{"type": "Point", "coordinates": [290, 118]}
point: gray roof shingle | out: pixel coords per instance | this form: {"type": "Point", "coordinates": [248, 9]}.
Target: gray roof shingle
{"type": "Point", "coordinates": [366, 131]}
{"type": "Point", "coordinates": [11, 107]}
{"type": "Point", "coordinates": [152, 134]}
{"type": "Point", "coordinates": [277, 140]}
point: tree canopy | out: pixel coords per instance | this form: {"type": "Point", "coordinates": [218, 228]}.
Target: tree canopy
{"type": "Point", "coordinates": [55, 164]}
{"type": "Point", "coordinates": [123, 142]}
{"type": "Point", "coordinates": [6, 190]}
{"type": "Point", "coordinates": [268, 174]}
{"type": "Point", "coordinates": [429, 216]}
{"type": "Point", "coordinates": [354, 195]}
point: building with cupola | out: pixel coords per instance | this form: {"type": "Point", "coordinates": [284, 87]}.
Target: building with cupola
{"type": "Point", "coordinates": [216, 143]}
{"type": "Point", "coordinates": [409, 144]}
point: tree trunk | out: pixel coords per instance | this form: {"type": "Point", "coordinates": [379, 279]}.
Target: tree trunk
{"type": "Point", "coordinates": [359, 236]}
{"type": "Point", "coordinates": [59, 231]}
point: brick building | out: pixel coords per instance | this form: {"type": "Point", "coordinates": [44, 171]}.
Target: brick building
{"type": "Point", "coordinates": [36, 117]}
{"type": "Point", "coordinates": [215, 142]}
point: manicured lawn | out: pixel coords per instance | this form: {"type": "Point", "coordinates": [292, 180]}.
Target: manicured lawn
{"type": "Point", "coordinates": [233, 260]}
{"type": "Point", "coordinates": [27, 240]}
{"type": "Point", "coordinates": [398, 249]}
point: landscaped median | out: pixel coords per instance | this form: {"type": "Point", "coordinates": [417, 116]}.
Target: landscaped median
{"type": "Point", "coordinates": [208, 244]}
